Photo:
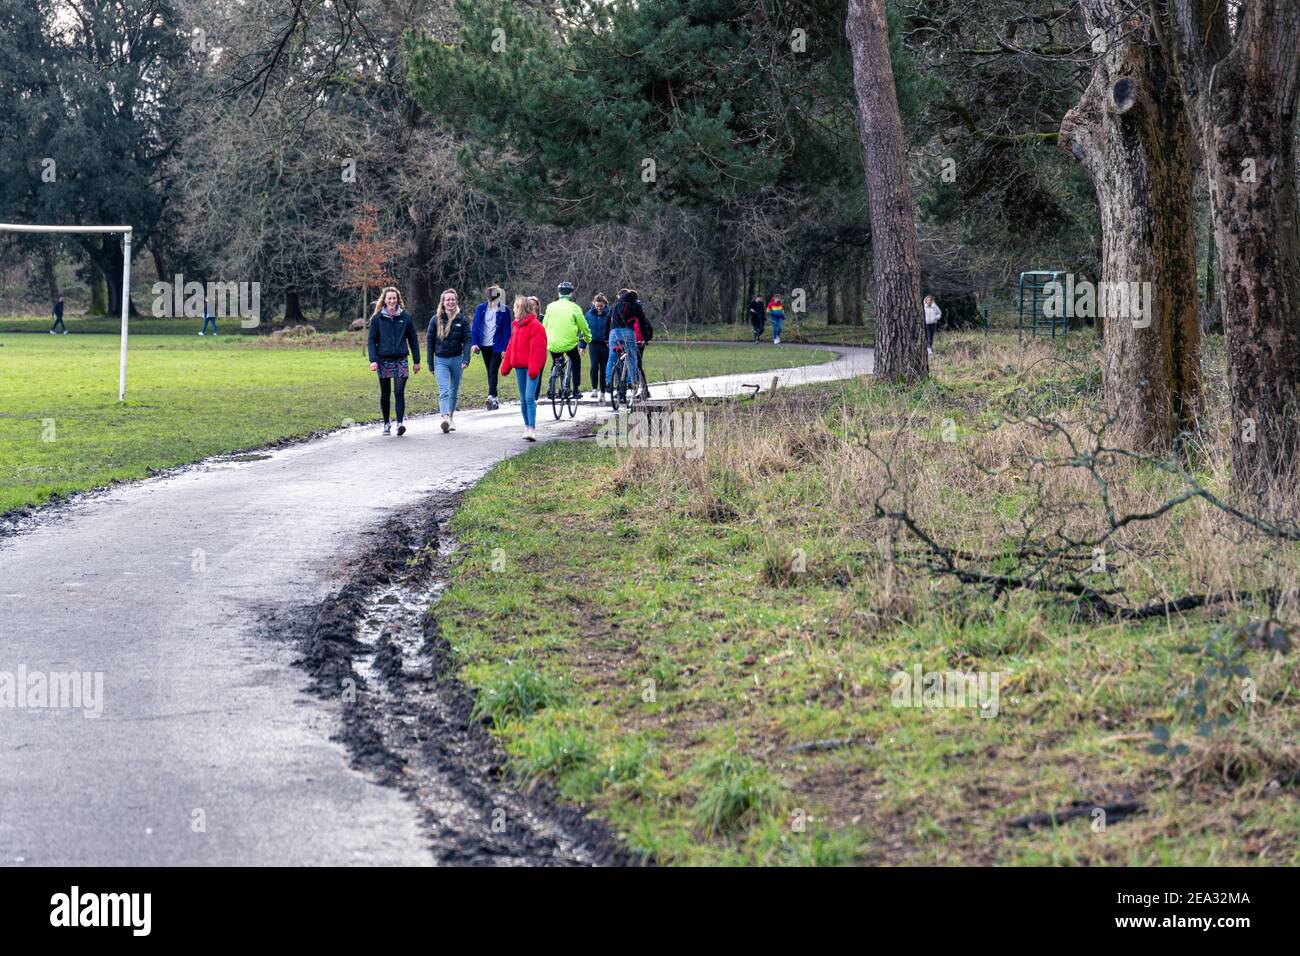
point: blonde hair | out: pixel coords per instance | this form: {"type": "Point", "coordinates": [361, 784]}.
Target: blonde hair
{"type": "Point", "coordinates": [535, 304]}
{"type": "Point", "coordinates": [600, 297]}
{"type": "Point", "coordinates": [383, 294]}
{"type": "Point", "coordinates": [444, 323]}
{"type": "Point", "coordinates": [521, 306]}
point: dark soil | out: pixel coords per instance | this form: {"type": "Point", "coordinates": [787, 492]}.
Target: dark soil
{"type": "Point", "coordinates": [409, 723]}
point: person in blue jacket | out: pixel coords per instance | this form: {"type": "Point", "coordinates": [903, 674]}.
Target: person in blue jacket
{"type": "Point", "coordinates": [489, 336]}
{"type": "Point", "coordinates": [598, 322]}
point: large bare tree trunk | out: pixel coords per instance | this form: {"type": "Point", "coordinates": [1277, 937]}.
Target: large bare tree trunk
{"type": "Point", "coordinates": [47, 272]}
{"type": "Point", "coordinates": [832, 312]}
{"type": "Point", "coordinates": [293, 308]}
{"type": "Point", "coordinates": [106, 253]}
{"type": "Point", "coordinates": [900, 326]}
{"type": "Point", "coordinates": [421, 271]}
{"type": "Point", "coordinates": [1130, 131]}
{"type": "Point", "coordinates": [1241, 93]}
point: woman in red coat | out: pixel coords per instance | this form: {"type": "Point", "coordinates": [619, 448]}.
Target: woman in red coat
{"type": "Point", "coordinates": [526, 354]}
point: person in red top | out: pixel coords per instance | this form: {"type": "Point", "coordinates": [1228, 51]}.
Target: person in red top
{"type": "Point", "coordinates": [526, 354]}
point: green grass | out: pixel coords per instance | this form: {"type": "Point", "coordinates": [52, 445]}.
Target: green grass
{"type": "Point", "coordinates": [62, 429]}
{"type": "Point", "coordinates": [112, 325]}
{"type": "Point", "coordinates": [696, 663]}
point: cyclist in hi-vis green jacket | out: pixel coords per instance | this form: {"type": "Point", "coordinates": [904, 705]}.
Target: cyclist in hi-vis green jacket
{"type": "Point", "coordinates": [567, 332]}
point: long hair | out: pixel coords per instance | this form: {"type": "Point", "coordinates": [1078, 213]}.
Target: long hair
{"type": "Point", "coordinates": [535, 305]}
{"type": "Point", "coordinates": [383, 294]}
{"type": "Point", "coordinates": [444, 321]}
{"type": "Point", "coordinates": [521, 306]}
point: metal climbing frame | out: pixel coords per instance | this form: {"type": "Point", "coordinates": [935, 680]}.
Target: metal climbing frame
{"type": "Point", "coordinates": [1033, 299]}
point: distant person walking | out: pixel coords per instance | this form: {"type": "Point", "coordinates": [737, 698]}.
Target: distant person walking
{"type": "Point", "coordinates": [932, 316]}
{"type": "Point", "coordinates": [208, 318]}
{"type": "Point", "coordinates": [567, 332]}
{"type": "Point", "coordinates": [58, 317]}
{"type": "Point", "coordinates": [622, 331]}
{"type": "Point", "coordinates": [526, 355]}
{"type": "Point", "coordinates": [392, 336]}
{"type": "Point", "coordinates": [598, 323]}
{"type": "Point", "coordinates": [776, 313]}
{"type": "Point", "coordinates": [449, 345]}
{"type": "Point", "coordinates": [757, 316]}
{"type": "Point", "coordinates": [489, 335]}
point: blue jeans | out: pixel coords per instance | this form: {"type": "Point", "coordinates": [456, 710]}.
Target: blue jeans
{"type": "Point", "coordinates": [777, 322]}
{"type": "Point", "coordinates": [210, 319]}
{"type": "Point", "coordinates": [448, 372]}
{"type": "Point", "coordinates": [528, 395]}
{"type": "Point", "coordinates": [628, 341]}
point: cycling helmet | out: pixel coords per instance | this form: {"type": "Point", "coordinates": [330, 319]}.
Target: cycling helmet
{"type": "Point", "coordinates": [565, 288]}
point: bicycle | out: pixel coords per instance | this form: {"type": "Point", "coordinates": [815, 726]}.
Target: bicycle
{"type": "Point", "coordinates": [562, 374]}
{"type": "Point", "coordinates": [620, 378]}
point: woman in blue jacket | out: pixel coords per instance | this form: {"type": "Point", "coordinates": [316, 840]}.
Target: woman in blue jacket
{"type": "Point", "coordinates": [598, 322]}
{"type": "Point", "coordinates": [392, 335]}
{"type": "Point", "coordinates": [489, 336]}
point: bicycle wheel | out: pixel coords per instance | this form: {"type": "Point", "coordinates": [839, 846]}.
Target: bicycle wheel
{"type": "Point", "coordinates": [621, 386]}
{"type": "Point", "coordinates": [557, 409]}
{"type": "Point", "coordinates": [615, 380]}
{"type": "Point", "coordinates": [571, 392]}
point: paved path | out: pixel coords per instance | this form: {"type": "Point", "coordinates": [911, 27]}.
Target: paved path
{"type": "Point", "coordinates": [207, 750]}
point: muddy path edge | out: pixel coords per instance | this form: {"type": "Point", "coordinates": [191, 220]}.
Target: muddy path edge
{"type": "Point", "coordinates": [408, 722]}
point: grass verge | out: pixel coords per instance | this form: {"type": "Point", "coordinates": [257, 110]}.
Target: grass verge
{"type": "Point", "coordinates": [707, 652]}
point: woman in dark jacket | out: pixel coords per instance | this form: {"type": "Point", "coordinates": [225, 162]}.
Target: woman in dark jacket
{"type": "Point", "coordinates": [623, 318]}
{"type": "Point", "coordinates": [449, 338]}
{"type": "Point", "coordinates": [392, 335]}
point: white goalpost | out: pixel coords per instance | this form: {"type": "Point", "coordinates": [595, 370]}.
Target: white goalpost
{"type": "Point", "coordinates": [125, 232]}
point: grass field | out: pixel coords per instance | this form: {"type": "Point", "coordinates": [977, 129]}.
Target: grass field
{"type": "Point", "coordinates": [721, 690]}
{"type": "Point", "coordinates": [62, 429]}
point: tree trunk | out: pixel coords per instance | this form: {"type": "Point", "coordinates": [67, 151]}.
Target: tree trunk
{"type": "Point", "coordinates": [858, 297]}
{"type": "Point", "coordinates": [1131, 133]}
{"type": "Point", "coordinates": [107, 256]}
{"type": "Point", "coordinates": [727, 292]}
{"type": "Point", "coordinates": [159, 266]}
{"type": "Point", "coordinates": [422, 275]}
{"type": "Point", "coordinates": [900, 326]}
{"type": "Point", "coordinates": [292, 308]}
{"type": "Point", "coordinates": [1211, 315]}
{"type": "Point", "coordinates": [832, 308]}
{"type": "Point", "coordinates": [98, 288]}
{"type": "Point", "coordinates": [47, 271]}
{"type": "Point", "coordinates": [1241, 92]}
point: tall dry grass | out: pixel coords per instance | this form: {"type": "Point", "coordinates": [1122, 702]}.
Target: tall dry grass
{"type": "Point", "coordinates": [986, 461]}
